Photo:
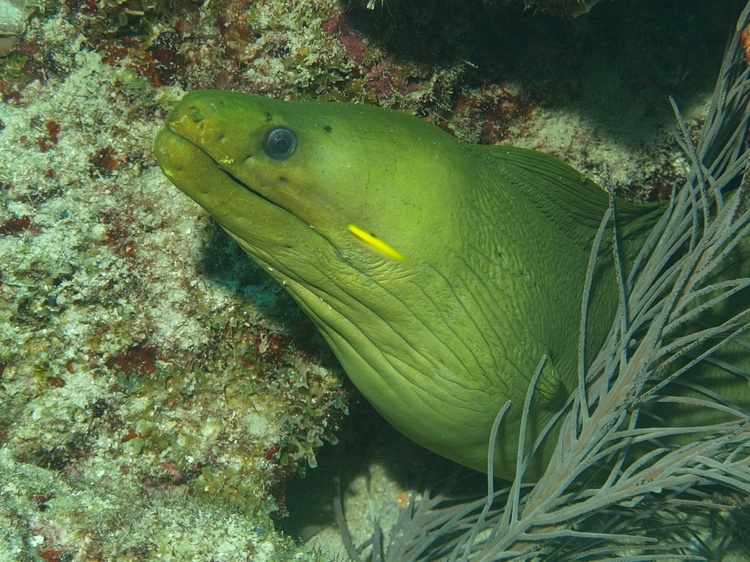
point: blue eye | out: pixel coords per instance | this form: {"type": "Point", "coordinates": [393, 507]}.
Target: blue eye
{"type": "Point", "coordinates": [280, 143]}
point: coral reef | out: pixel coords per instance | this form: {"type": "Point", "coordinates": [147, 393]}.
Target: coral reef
{"type": "Point", "coordinates": [156, 390]}
{"type": "Point", "coordinates": [145, 368]}
{"type": "Point", "coordinates": [12, 24]}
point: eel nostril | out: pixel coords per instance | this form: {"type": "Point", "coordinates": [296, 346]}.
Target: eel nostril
{"type": "Point", "coordinates": [195, 114]}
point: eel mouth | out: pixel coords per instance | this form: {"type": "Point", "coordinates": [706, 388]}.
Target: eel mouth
{"type": "Point", "coordinates": [245, 210]}
{"type": "Point", "coordinates": [179, 157]}
{"type": "Point", "coordinates": [261, 225]}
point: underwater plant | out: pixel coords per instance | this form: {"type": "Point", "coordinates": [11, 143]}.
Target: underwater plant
{"type": "Point", "coordinates": [620, 481]}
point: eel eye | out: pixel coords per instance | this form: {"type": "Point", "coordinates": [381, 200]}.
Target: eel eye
{"type": "Point", "coordinates": [280, 143]}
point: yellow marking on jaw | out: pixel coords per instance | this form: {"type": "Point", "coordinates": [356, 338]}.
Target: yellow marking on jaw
{"type": "Point", "coordinates": [378, 245]}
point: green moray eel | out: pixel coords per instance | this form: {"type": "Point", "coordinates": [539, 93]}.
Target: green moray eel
{"type": "Point", "coordinates": [440, 273]}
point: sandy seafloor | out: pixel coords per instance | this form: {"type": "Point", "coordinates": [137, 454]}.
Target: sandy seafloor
{"type": "Point", "coordinates": [158, 393]}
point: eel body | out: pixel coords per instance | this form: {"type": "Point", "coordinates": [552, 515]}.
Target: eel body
{"type": "Point", "coordinates": [440, 273]}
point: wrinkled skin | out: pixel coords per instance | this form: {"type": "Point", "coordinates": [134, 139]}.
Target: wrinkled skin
{"type": "Point", "coordinates": [496, 242]}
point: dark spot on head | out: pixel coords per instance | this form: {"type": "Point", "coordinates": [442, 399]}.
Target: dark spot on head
{"type": "Point", "coordinates": [328, 128]}
{"type": "Point", "coordinates": [269, 117]}
{"type": "Point", "coordinates": [283, 180]}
